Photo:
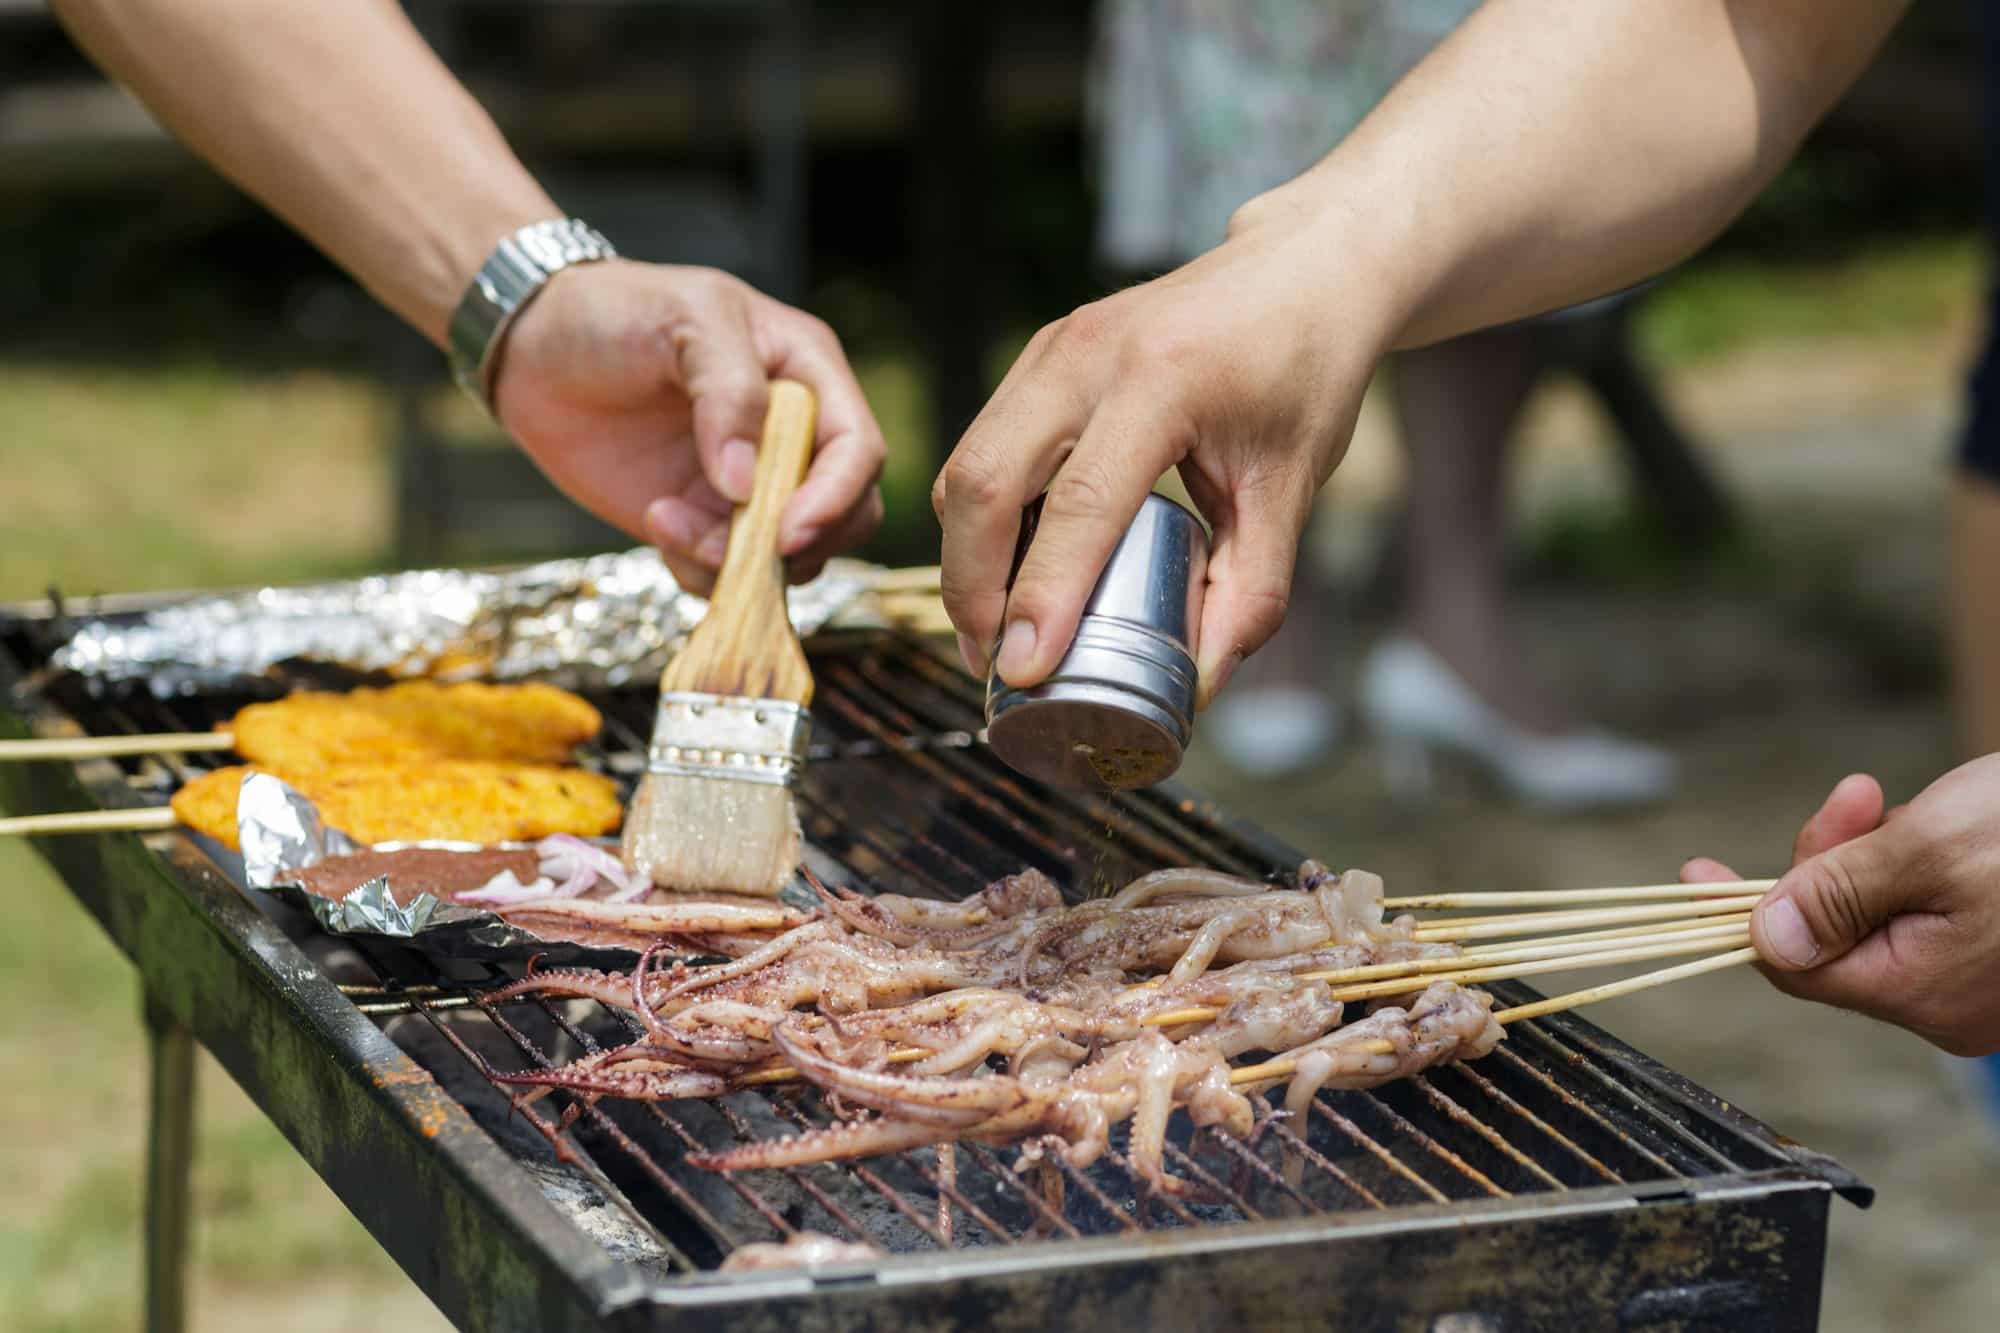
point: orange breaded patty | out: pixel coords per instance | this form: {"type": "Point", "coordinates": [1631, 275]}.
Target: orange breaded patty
{"type": "Point", "coordinates": [415, 720]}
{"type": "Point", "coordinates": [459, 800]}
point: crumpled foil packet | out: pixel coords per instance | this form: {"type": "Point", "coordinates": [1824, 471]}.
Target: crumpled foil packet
{"type": "Point", "coordinates": [280, 831]}
{"type": "Point", "coordinates": [601, 621]}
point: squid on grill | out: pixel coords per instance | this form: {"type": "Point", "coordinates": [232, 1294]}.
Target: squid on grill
{"type": "Point", "coordinates": [1010, 1017]}
{"type": "Point", "coordinates": [1143, 1079]}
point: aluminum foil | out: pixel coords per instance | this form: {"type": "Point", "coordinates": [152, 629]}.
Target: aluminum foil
{"type": "Point", "coordinates": [280, 831]}
{"type": "Point", "coordinates": [606, 620]}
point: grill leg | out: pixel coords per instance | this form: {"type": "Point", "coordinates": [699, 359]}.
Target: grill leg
{"type": "Point", "coordinates": [169, 1151]}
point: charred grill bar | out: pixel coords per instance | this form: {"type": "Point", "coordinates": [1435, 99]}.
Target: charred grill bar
{"type": "Point", "coordinates": [1565, 1177]}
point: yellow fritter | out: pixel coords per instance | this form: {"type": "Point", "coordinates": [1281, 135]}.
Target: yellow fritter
{"type": "Point", "coordinates": [460, 800]}
{"type": "Point", "coordinates": [415, 720]}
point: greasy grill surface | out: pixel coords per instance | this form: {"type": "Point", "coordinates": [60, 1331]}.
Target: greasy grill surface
{"type": "Point", "coordinates": [896, 800]}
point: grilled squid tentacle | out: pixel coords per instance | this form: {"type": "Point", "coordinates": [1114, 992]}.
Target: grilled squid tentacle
{"type": "Point", "coordinates": [1157, 1067]}
{"type": "Point", "coordinates": [1207, 943]}
{"type": "Point", "coordinates": [835, 1143]}
{"type": "Point", "coordinates": [950, 1103]}
{"type": "Point", "coordinates": [1185, 882]}
{"type": "Point", "coordinates": [702, 978]}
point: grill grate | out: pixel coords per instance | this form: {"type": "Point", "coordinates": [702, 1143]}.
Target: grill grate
{"type": "Point", "coordinates": [896, 800]}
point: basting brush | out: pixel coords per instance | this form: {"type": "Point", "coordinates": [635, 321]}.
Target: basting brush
{"type": "Point", "coordinates": [714, 812]}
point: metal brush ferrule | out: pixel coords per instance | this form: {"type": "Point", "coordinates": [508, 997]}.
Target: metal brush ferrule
{"type": "Point", "coordinates": [728, 737]}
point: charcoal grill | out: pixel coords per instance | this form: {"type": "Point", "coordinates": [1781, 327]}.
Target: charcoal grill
{"type": "Point", "coordinates": [1565, 1179]}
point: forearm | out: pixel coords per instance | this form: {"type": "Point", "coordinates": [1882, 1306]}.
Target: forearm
{"type": "Point", "coordinates": [1553, 151]}
{"type": "Point", "coordinates": [338, 117]}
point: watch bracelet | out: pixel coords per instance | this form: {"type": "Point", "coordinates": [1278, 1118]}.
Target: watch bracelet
{"type": "Point", "coordinates": [517, 269]}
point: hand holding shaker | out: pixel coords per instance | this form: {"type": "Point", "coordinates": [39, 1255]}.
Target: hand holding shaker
{"type": "Point", "coordinates": [1118, 710]}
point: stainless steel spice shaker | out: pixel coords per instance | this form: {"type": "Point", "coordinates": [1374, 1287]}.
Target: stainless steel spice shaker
{"type": "Point", "coordinates": [1118, 710]}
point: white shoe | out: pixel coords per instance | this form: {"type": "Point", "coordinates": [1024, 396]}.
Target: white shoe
{"type": "Point", "coordinates": [1415, 704]}
{"type": "Point", "coordinates": [1275, 732]}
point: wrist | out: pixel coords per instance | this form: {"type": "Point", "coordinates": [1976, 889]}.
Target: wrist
{"type": "Point", "coordinates": [1340, 268]}
{"type": "Point", "coordinates": [503, 287]}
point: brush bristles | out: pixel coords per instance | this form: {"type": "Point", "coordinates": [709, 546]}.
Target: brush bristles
{"type": "Point", "coordinates": [707, 835]}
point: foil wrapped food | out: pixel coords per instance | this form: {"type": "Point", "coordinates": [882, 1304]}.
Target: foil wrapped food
{"type": "Point", "coordinates": [585, 623]}
{"type": "Point", "coordinates": [282, 832]}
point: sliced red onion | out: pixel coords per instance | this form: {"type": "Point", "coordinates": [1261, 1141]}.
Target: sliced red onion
{"type": "Point", "coordinates": [570, 867]}
{"type": "Point", "coordinates": [579, 865]}
{"type": "Point", "coordinates": [503, 890]}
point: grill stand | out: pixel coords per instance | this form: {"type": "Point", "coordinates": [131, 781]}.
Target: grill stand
{"type": "Point", "coordinates": [169, 1154]}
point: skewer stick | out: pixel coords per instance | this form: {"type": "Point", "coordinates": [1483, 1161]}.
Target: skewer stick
{"type": "Point", "coordinates": [1534, 923]}
{"type": "Point", "coordinates": [1552, 947]}
{"type": "Point", "coordinates": [1282, 1068]}
{"type": "Point", "coordinates": [915, 578]}
{"type": "Point", "coordinates": [141, 820]}
{"type": "Point", "coordinates": [111, 747]}
{"type": "Point", "coordinates": [1505, 950]}
{"type": "Point", "coordinates": [1611, 990]}
{"type": "Point", "coordinates": [1613, 933]}
{"type": "Point", "coordinates": [1566, 897]}
{"type": "Point", "coordinates": [1470, 976]}
{"type": "Point", "coordinates": [786, 1074]}
{"type": "Point", "coordinates": [1277, 1071]}
{"type": "Point", "coordinates": [1413, 975]}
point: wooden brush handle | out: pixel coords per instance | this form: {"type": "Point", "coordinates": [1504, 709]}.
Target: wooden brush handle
{"type": "Point", "coordinates": [751, 567]}
{"type": "Point", "coordinates": [745, 644]}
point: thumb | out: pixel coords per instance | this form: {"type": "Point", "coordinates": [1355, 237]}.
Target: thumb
{"type": "Point", "coordinates": [1826, 905]}
{"type": "Point", "coordinates": [725, 380]}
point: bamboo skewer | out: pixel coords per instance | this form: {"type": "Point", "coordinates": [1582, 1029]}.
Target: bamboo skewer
{"type": "Point", "coordinates": [1529, 923]}
{"type": "Point", "coordinates": [1404, 978]}
{"type": "Point", "coordinates": [1611, 990]}
{"type": "Point", "coordinates": [109, 747]}
{"type": "Point", "coordinates": [785, 1073]}
{"type": "Point", "coordinates": [1277, 1071]}
{"type": "Point", "coordinates": [912, 579]}
{"type": "Point", "coordinates": [1506, 950]}
{"type": "Point", "coordinates": [1613, 933]}
{"type": "Point", "coordinates": [1638, 953]}
{"type": "Point", "coordinates": [1555, 946]}
{"type": "Point", "coordinates": [144, 819]}
{"type": "Point", "coordinates": [1567, 897]}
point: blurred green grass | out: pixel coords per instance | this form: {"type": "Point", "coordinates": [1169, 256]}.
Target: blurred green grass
{"type": "Point", "coordinates": [188, 473]}
{"type": "Point", "coordinates": [1712, 308]}
{"type": "Point", "coordinates": [72, 1121]}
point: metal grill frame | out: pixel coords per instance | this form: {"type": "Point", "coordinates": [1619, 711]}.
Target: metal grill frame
{"type": "Point", "coordinates": [468, 1222]}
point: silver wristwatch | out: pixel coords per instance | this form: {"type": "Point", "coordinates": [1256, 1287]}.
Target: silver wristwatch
{"type": "Point", "coordinates": [507, 281]}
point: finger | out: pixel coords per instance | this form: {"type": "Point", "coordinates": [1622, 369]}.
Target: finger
{"type": "Point", "coordinates": [1250, 569]}
{"type": "Point", "coordinates": [853, 528]}
{"type": "Point", "coordinates": [691, 575]}
{"type": "Point", "coordinates": [1131, 440]}
{"type": "Point", "coordinates": [725, 378]}
{"type": "Point", "coordinates": [1707, 870]}
{"type": "Point", "coordinates": [848, 450]}
{"type": "Point", "coordinates": [691, 538]}
{"type": "Point", "coordinates": [1853, 808]}
{"type": "Point", "coordinates": [1003, 461]}
{"type": "Point", "coordinates": [1825, 906]}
